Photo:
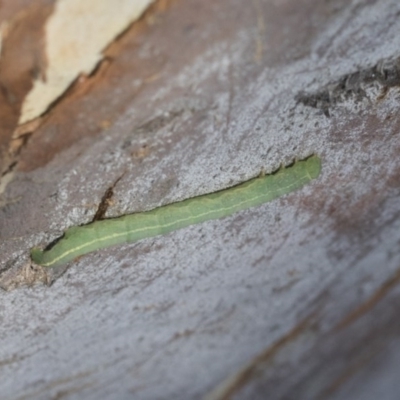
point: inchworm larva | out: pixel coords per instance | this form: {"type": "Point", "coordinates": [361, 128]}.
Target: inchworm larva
{"type": "Point", "coordinates": [130, 228]}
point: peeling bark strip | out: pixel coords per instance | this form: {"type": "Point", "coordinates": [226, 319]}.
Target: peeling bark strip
{"type": "Point", "coordinates": [131, 228]}
{"type": "Point", "coordinates": [386, 73]}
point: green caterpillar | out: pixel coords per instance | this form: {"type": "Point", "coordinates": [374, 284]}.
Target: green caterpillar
{"type": "Point", "coordinates": [130, 228]}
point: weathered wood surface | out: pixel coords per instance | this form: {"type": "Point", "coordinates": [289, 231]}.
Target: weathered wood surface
{"type": "Point", "coordinates": [295, 299]}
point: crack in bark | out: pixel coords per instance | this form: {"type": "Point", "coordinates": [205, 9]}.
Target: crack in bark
{"type": "Point", "coordinates": [106, 200]}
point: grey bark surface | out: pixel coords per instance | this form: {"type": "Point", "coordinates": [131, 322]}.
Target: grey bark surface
{"type": "Point", "coordinates": [298, 298]}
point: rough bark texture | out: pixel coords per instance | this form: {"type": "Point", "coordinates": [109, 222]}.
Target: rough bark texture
{"type": "Point", "coordinates": [298, 298]}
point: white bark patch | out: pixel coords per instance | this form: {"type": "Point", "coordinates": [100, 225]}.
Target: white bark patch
{"type": "Point", "coordinates": [76, 34]}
